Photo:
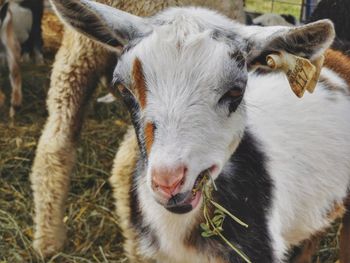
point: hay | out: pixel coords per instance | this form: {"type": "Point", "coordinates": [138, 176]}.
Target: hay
{"type": "Point", "coordinates": [93, 233]}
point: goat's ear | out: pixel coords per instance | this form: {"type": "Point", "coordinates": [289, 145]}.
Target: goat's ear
{"type": "Point", "coordinates": [296, 51]}
{"type": "Point", "coordinates": [107, 25]}
{"type": "Point", "coordinates": [3, 11]}
{"type": "Point", "coordinates": [307, 41]}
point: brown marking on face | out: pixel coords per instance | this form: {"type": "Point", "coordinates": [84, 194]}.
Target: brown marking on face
{"type": "Point", "coordinates": [339, 63]}
{"type": "Point", "coordinates": [139, 84]}
{"type": "Point", "coordinates": [337, 211]}
{"type": "Point", "coordinates": [149, 136]}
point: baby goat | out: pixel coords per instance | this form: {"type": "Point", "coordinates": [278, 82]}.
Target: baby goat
{"type": "Point", "coordinates": [279, 163]}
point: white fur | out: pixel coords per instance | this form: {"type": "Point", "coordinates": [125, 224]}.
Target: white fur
{"type": "Point", "coordinates": [307, 142]}
{"type": "Point", "coordinates": [335, 80]}
{"type": "Point", "coordinates": [22, 21]}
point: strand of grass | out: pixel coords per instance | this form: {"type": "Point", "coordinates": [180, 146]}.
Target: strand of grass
{"type": "Point", "coordinates": [103, 254]}
{"type": "Point", "coordinates": [93, 168]}
{"type": "Point", "coordinates": [213, 182]}
{"type": "Point", "coordinates": [96, 259]}
{"type": "Point", "coordinates": [205, 213]}
{"type": "Point", "coordinates": [228, 213]}
{"type": "Point", "coordinates": [240, 253]}
{"type": "Point", "coordinates": [7, 217]}
{"type": "Point", "coordinates": [68, 257]}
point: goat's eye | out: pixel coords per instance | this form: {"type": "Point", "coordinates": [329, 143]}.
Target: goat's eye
{"type": "Point", "coordinates": [232, 99]}
{"type": "Point", "coordinates": [122, 89]}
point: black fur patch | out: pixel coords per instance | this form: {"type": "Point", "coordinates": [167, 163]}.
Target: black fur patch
{"type": "Point", "coordinates": [338, 11]}
{"type": "Point", "coordinates": [134, 109]}
{"type": "Point", "coordinates": [137, 222]}
{"type": "Point", "coordinates": [239, 57]}
{"type": "Point", "coordinates": [289, 18]}
{"type": "Point", "coordinates": [342, 46]}
{"type": "Point", "coordinates": [246, 191]}
{"type": "Point", "coordinates": [3, 11]}
{"type": "Point", "coordinates": [35, 40]}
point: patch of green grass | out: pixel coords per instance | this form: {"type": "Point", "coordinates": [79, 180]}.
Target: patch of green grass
{"type": "Point", "coordinates": [292, 7]}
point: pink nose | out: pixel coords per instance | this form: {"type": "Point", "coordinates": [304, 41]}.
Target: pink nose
{"type": "Point", "coordinates": [168, 180]}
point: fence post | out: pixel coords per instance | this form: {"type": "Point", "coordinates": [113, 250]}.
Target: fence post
{"type": "Point", "coordinates": [307, 8]}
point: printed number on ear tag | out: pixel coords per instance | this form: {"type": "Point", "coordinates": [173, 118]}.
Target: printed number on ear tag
{"type": "Point", "coordinates": [302, 74]}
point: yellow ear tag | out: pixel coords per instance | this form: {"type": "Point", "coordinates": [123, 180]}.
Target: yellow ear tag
{"type": "Point", "coordinates": [301, 73]}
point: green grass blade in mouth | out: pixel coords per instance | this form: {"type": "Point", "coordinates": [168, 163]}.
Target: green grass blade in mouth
{"type": "Point", "coordinates": [214, 226]}
{"type": "Point", "coordinates": [228, 213]}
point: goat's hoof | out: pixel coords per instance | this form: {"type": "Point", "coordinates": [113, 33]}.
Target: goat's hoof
{"type": "Point", "coordinates": [49, 244]}
{"type": "Point", "coordinates": [13, 110]}
{"type": "Point", "coordinates": [16, 98]}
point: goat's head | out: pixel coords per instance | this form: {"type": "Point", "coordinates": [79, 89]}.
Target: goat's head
{"type": "Point", "coordinates": [183, 74]}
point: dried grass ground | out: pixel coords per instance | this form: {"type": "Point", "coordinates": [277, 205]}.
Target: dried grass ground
{"type": "Point", "coordinates": [93, 233]}
{"type": "Point", "coordinates": [92, 228]}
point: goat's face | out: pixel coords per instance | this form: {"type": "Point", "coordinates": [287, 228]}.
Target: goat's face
{"type": "Point", "coordinates": [188, 90]}
{"type": "Point", "coordinates": [183, 74]}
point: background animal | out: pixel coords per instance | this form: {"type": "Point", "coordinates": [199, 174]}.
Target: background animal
{"type": "Point", "coordinates": [20, 36]}
{"type": "Point", "coordinates": [272, 20]}
{"type": "Point", "coordinates": [10, 52]}
{"type": "Point", "coordinates": [338, 12]}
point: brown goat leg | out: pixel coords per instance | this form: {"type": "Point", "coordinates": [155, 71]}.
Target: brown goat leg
{"type": "Point", "coordinates": [344, 254]}
{"type": "Point", "coordinates": [76, 71]}
{"type": "Point", "coordinates": [16, 84]}
{"type": "Point", "coordinates": [13, 54]}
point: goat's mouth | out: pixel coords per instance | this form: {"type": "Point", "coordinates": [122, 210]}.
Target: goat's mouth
{"type": "Point", "coordinates": [183, 203]}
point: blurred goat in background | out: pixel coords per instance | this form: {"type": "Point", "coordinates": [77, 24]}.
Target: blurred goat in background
{"type": "Point", "coordinates": [20, 31]}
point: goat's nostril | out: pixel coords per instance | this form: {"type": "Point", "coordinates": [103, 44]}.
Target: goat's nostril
{"type": "Point", "coordinates": [168, 180]}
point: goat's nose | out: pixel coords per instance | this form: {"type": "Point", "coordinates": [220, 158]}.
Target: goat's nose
{"type": "Point", "coordinates": [168, 180]}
